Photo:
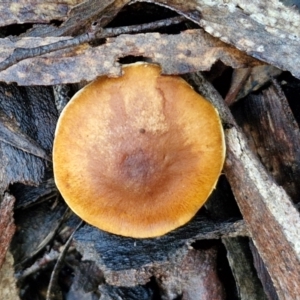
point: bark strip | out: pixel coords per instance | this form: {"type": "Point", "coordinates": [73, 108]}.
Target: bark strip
{"type": "Point", "coordinates": [272, 220]}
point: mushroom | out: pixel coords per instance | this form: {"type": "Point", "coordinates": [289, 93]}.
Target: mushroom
{"type": "Point", "coordinates": [138, 155]}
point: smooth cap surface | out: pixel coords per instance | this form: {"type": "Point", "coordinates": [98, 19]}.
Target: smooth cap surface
{"type": "Point", "coordinates": [138, 155]}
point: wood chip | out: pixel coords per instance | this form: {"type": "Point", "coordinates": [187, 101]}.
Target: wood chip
{"type": "Point", "coordinates": [7, 226]}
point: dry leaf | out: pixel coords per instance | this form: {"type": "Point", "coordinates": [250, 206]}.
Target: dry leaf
{"type": "Point", "coordinates": [28, 119]}
{"type": "Point", "coordinates": [36, 226]}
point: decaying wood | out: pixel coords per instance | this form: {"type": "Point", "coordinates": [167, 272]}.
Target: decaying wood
{"type": "Point", "coordinates": [39, 11]}
{"type": "Point", "coordinates": [254, 27]}
{"type": "Point", "coordinates": [260, 28]}
{"type": "Point", "coordinates": [97, 32]}
{"type": "Point", "coordinates": [31, 195]}
{"type": "Point", "coordinates": [77, 16]}
{"type": "Point", "coordinates": [263, 274]}
{"type": "Point", "coordinates": [134, 261]}
{"type": "Point", "coordinates": [8, 285]}
{"type": "Point", "coordinates": [88, 279]}
{"type": "Point", "coordinates": [168, 50]}
{"type": "Point", "coordinates": [248, 285]}
{"type": "Point", "coordinates": [245, 81]}
{"type": "Point", "coordinates": [238, 80]}
{"type": "Point", "coordinates": [241, 263]}
{"type": "Point", "coordinates": [267, 209]}
{"type": "Point", "coordinates": [195, 277]}
{"type": "Point", "coordinates": [7, 226]}
{"type": "Point", "coordinates": [273, 133]}
{"type": "Point", "coordinates": [109, 292]}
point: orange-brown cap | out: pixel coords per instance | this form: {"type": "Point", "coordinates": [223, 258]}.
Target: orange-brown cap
{"type": "Point", "coordinates": [138, 155]}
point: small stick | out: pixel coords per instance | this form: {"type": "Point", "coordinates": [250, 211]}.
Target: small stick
{"type": "Point", "coordinates": [51, 293]}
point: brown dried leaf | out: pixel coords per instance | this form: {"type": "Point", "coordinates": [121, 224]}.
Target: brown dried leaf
{"type": "Point", "coordinates": [28, 118]}
{"type": "Point", "coordinates": [39, 11]}
{"type": "Point", "coordinates": [186, 52]}
{"type": "Point", "coordinates": [7, 226]}
{"type": "Point", "coordinates": [36, 226]}
{"type": "Point", "coordinates": [11, 134]}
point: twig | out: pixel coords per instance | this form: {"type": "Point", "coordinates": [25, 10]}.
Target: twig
{"type": "Point", "coordinates": [96, 32]}
{"type": "Point", "coordinates": [108, 32]}
{"type": "Point", "coordinates": [38, 265]}
{"type": "Point", "coordinates": [51, 293]}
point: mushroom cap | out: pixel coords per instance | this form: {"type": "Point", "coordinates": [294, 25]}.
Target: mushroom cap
{"type": "Point", "coordinates": [138, 155]}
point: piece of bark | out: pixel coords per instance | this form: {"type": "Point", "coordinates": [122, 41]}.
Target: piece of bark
{"type": "Point", "coordinates": [238, 80]}
{"type": "Point", "coordinates": [7, 225]}
{"type": "Point", "coordinates": [267, 209]}
{"type": "Point", "coordinates": [169, 51]}
{"type": "Point", "coordinates": [274, 135]}
{"type": "Point", "coordinates": [135, 261]}
{"type": "Point", "coordinates": [195, 277]}
{"type": "Point", "coordinates": [245, 81]}
{"type": "Point", "coordinates": [76, 15]}
{"type": "Point", "coordinates": [109, 292]}
{"type": "Point", "coordinates": [37, 11]}
{"type": "Point", "coordinates": [241, 263]}
{"type": "Point", "coordinates": [81, 18]}
{"type": "Point", "coordinates": [62, 94]}
{"type": "Point", "coordinates": [8, 287]}
{"type": "Point", "coordinates": [96, 33]}
{"type": "Point", "coordinates": [259, 27]}
{"type": "Point", "coordinates": [263, 274]}
{"type": "Point", "coordinates": [87, 278]}
{"type": "Point", "coordinates": [238, 253]}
